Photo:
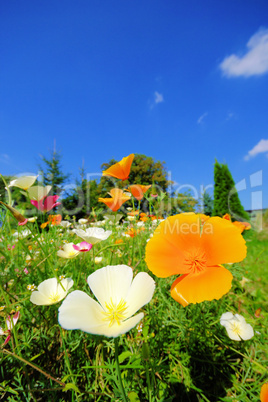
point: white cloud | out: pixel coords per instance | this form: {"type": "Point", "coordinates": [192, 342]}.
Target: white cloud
{"type": "Point", "coordinates": [201, 118]}
{"type": "Point", "coordinates": [158, 97]}
{"type": "Point", "coordinates": [261, 147]}
{"type": "Point", "coordinates": [253, 62]}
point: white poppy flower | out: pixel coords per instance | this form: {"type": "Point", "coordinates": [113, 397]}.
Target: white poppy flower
{"type": "Point", "coordinates": [32, 219]}
{"type": "Point", "coordinates": [65, 224]}
{"type": "Point", "coordinates": [93, 235]}
{"type": "Point", "coordinates": [119, 297]}
{"type": "Point", "coordinates": [98, 260]}
{"type": "Point", "coordinates": [37, 193]}
{"type": "Point", "coordinates": [51, 291]}
{"type": "Point", "coordinates": [23, 182]}
{"type": "Point", "coordinates": [68, 251]}
{"type": "Point", "coordinates": [236, 327]}
{"type": "Point", "coordinates": [82, 221]}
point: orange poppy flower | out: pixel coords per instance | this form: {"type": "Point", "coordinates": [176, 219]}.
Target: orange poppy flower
{"type": "Point", "coordinates": [54, 219]}
{"type": "Point", "coordinates": [119, 241]}
{"type": "Point", "coordinates": [183, 245]}
{"type": "Point", "coordinates": [133, 213]}
{"type": "Point", "coordinates": [264, 393]}
{"type": "Point", "coordinates": [138, 190]}
{"type": "Point", "coordinates": [120, 170]}
{"type": "Point", "coordinates": [118, 197]}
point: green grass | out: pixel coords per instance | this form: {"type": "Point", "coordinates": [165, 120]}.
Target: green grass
{"type": "Point", "coordinates": [184, 352]}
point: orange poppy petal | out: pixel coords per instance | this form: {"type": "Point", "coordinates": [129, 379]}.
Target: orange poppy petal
{"type": "Point", "coordinates": [120, 170]}
{"type": "Point", "coordinates": [264, 393]}
{"type": "Point", "coordinates": [222, 242]}
{"type": "Point", "coordinates": [210, 284]}
{"type": "Point", "coordinates": [173, 242]}
{"type": "Point", "coordinates": [138, 190]}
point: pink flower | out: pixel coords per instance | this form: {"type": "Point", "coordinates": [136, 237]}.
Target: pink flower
{"type": "Point", "coordinates": [10, 323]}
{"type": "Point", "coordinates": [26, 271]}
{"type": "Point", "coordinates": [83, 246]}
{"type": "Point", "coordinates": [23, 223]}
{"type": "Point", "coordinates": [46, 203]}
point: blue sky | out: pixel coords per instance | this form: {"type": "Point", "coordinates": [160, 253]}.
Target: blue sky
{"type": "Point", "coordinates": [182, 81]}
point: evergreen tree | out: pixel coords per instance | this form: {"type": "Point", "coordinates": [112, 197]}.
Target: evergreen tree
{"type": "Point", "coordinates": [207, 204]}
{"type": "Point", "coordinates": [226, 199]}
{"type": "Point", "coordinates": [52, 172]}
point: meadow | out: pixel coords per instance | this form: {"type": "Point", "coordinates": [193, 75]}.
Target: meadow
{"type": "Point", "coordinates": [174, 353]}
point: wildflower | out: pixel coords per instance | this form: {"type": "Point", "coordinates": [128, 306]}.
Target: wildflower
{"type": "Point", "coordinates": [119, 241]}
{"type": "Point", "coordinates": [82, 221]}
{"type": "Point", "coordinates": [118, 197]}
{"type": "Point", "coordinates": [119, 298]}
{"type": "Point", "coordinates": [264, 392]}
{"type": "Point", "coordinates": [98, 260]}
{"type": "Point", "coordinates": [113, 217]}
{"type": "Point", "coordinates": [31, 287]}
{"type": "Point", "coordinates": [68, 251]}
{"type": "Point", "coordinates": [51, 291]}
{"type": "Point", "coordinates": [32, 219]}
{"type": "Point", "coordinates": [121, 169]}
{"type": "Point", "coordinates": [38, 192]}
{"type": "Point", "coordinates": [181, 244]}
{"type": "Point", "coordinates": [83, 246]}
{"type": "Point", "coordinates": [26, 271]}
{"type": "Point", "coordinates": [242, 225]}
{"type": "Point", "coordinates": [138, 190]}
{"type": "Point", "coordinates": [46, 203]}
{"type": "Point", "coordinates": [244, 281]}
{"type": "Point", "coordinates": [93, 235]}
{"type": "Point", "coordinates": [65, 224]}
{"type": "Point", "coordinates": [54, 219]}
{"type": "Point", "coordinates": [236, 327]}
{"type": "Point", "coordinates": [131, 218]}
{"type": "Point", "coordinates": [23, 182]}
{"type": "Point", "coordinates": [17, 215]}
{"type": "Point", "coordinates": [2, 308]}
{"type": "Point", "coordinates": [11, 321]}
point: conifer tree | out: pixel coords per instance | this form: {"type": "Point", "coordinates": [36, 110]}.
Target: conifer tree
{"type": "Point", "coordinates": [207, 204]}
{"type": "Point", "coordinates": [226, 199]}
{"type": "Point", "coordinates": [52, 172]}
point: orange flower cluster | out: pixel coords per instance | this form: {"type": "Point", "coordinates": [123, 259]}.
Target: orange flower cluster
{"type": "Point", "coordinates": [194, 246]}
{"type": "Point", "coordinates": [52, 220]}
{"type": "Point", "coordinates": [121, 170]}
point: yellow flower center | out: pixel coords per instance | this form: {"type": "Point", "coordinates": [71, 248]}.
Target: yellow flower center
{"type": "Point", "coordinates": [236, 328]}
{"type": "Point", "coordinates": [54, 297]}
{"type": "Point", "coordinates": [196, 261]}
{"type": "Point", "coordinates": [115, 313]}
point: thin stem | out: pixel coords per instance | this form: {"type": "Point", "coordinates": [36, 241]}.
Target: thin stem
{"type": "Point", "coordinates": [118, 371]}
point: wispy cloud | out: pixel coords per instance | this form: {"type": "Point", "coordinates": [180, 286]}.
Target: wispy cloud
{"type": "Point", "coordinates": [260, 148]}
{"type": "Point", "coordinates": [253, 62]}
{"type": "Point", "coordinates": [201, 118]}
{"type": "Point", "coordinates": [158, 98]}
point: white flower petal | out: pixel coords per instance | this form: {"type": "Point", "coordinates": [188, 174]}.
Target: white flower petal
{"type": "Point", "coordinates": [93, 235]}
{"type": "Point", "coordinates": [50, 291]}
{"type": "Point", "coordinates": [68, 251]}
{"type": "Point", "coordinates": [38, 192]}
{"type": "Point", "coordinates": [111, 283]}
{"type": "Point", "coordinates": [140, 292]}
{"type": "Point", "coordinates": [23, 182]}
{"type": "Point", "coordinates": [125, 326]}
{"type": "Point", "coordinates": [80, 311]}
{"type": "Point", "coordinates": [226, 317]}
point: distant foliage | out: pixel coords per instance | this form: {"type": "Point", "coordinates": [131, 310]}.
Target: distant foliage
{"type": "Point", "coordinates": [226, 199]}
{"type": "Point", "coordinates": [207, 204]}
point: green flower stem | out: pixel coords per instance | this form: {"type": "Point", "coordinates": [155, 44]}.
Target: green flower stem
{"type": "Point", "coordinates": [148, 382]}
{"type": "Point", "coordinates": [120, 383]}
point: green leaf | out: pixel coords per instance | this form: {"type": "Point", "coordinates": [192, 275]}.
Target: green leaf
{"type": "Point", "coordinates": [133, 397]}
{"type": "Point", "coordinates": [124, 355]}
{"type": "Point", "coordinates": [70, 386]}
